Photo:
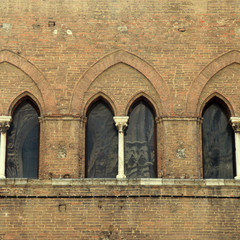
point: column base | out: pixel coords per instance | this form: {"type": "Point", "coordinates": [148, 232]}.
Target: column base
{"type": "Point", "coordinates": [120, 176]}
{"type": "Point", "coordinates": [1, 177]}
{"type": "Point", "coordinates": [237, 178]}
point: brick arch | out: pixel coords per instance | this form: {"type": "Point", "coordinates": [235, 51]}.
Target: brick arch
{"type": "Point", "coordinates": [143, 95]}
{"type": "Point", "coordinates": [18, 99]}
{"type": "Point", "coordinates": [219, 96]}
{"type": "Point", "coordinates": [95, 97]}
{"type": "Point", "coordinates": [106, 62]}
{"type": "Point", "coordinates": [49, 101]}
{"type": "Point", "coordinates": [205, 75]}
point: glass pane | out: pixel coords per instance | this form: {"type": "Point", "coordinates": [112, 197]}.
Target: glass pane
{"type": "Point", "coordinates": [23, 143]}
{"type": "Point", "coordinates": [139, 143]}
{"type": "Point", "coordinates": [102, 143]}
{"type": "Point", "coordinates": [218, 143]}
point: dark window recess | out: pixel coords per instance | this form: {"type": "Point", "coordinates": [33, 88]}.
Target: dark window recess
{"type": "Point", "coordinates": [23, 143]}
{"type": "Point", "coordinates": [218, 143]}
{"type": "Point", "coordinates": [139, 143]}
{"type": "Point", "coordinates": [102, 141]}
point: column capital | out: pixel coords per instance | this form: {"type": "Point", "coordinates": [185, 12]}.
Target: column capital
{"type": "Point", "coordinates": [235, 121]}
{"type": "Point", "coordinates": [5, 123]}
{"type": "Point", "coordinates": [121, 122]}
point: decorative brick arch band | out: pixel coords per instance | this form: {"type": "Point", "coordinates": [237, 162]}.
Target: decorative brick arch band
{"type": "Point", "coordinates": [42, 84]}
{"type": "Point", "coordinates": [118, 57]}
{"type": "Point", "coordinates": [206, 74]}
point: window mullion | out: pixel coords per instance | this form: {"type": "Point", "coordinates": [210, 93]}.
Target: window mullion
{"type": "Point", "coordinates": [236, 126]}
{"type": "Point", "coordinates": [121, 124]}
{"type": "Point", "coordinates": [4, 126]}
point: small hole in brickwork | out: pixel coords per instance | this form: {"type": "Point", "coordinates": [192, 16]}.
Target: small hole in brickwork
{"type": "Point", "coordinates": [50, 175]}
{"type": "Point", "coordinates": [100, 204]}
{"type": "Point", "coordinates": [51, 23]}
{"type": "Point", "coordinates": [62, 207]}
{"type": "Point", "coordinates": [36, 26]}
{"type": "Point", "coordinates": [182, 30]}
{"type": "Point", "coordinates": [67, 176]}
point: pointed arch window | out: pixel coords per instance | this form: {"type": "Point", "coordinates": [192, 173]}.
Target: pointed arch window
{"type": "Point", "coordinates": [23, 141]}
{"type": "Point", "coordinates": [218, 141]}
{"type": "Point", "coordinates": [102, 148]}
{"type": "Point", "coordinates": [140, 142]}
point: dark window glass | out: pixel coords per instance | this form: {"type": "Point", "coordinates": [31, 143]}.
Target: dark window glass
{"type": "Point", "coordinates": [102, 140]}
{"type": "Point", "coordinates": [218, 143]}
{"type": "Point", "coordinates": [23, 143]}
{"type": "Point", "coordinates": [139, 143]}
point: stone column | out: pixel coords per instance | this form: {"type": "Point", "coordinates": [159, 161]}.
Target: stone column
{"type": "Point", "coordinates": [4, 126]}
{"type": "Point", "coordinates": [121, 124]}
{"type": "Point", "coordinates": [236, 126]}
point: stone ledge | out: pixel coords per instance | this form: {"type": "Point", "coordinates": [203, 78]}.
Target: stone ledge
{"type": "Point", "coordinates": [121, 182]}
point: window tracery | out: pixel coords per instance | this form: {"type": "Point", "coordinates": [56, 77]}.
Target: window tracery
{"type": "Point", "coordinates": [102, 153]}
{"type": "Point", "coordinates": [218, 141]}
{"type": "Point", "coordinates": [140, 142]}
{"type": "Point", "coordinates": [23, 142]}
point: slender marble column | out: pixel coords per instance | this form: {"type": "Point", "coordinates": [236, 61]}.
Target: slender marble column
{"type": "Point", "coordinates": [4, 126]}
{"type": "Point", "coordinates": [236, 126]}
{"type": "Point", "coordinates": [121, 124]}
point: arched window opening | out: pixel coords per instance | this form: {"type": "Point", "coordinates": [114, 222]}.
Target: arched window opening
{"type": "Point", "coordinates": [218, 141]}
{"type": "Point", "coordinates": [140, 142]}
{"type": "Point", "coordinates": [102, 140]}
{"type": "Point", "coordinates": [23, 141]}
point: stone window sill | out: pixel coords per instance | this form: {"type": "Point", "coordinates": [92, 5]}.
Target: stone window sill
{"type": "Point", "coordinates": [121, 182]}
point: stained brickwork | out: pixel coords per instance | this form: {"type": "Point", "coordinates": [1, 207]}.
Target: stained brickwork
{"type": "Point", "coordinates": [65, 55]}
{"type": "Point", "coordinates": [161, 218]}
{"type": "Point", "coordinates": [94, 210]}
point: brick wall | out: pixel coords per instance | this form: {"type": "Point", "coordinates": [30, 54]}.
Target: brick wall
{"type": "Point", "coordinates": [66, 54]}
{"type": "Point", "coordinates": [83, 209]}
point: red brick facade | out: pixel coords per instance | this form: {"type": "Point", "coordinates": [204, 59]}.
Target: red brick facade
{"type": "Point", "coordinates": [66, 54]}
